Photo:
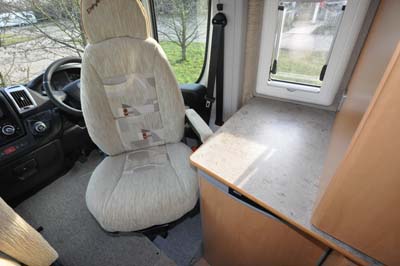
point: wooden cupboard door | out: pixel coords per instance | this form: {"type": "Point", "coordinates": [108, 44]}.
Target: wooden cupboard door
{"type": "Point", "coordinates": [337, 259]}
{"type": "Point", "coordinates": [361, 204]}
{"type": "Point", "coordinates": [236, 234]}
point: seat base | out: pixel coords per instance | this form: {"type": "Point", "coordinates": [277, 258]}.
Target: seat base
{"type": "Point", "coordinates": [141, 189]}
{"type": "Point", "coordinates": [160, 230]}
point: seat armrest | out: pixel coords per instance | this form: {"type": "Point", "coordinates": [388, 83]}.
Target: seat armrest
{"type": "Point", "coordinates": [202, 130]}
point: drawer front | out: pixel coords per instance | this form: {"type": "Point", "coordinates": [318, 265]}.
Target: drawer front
{"type": "Point", "coordinates": [236, 233]}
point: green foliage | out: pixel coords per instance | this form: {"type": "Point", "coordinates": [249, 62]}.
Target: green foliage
{"type": "Point", "coordinates": [303, 68]}
{"type": "Point", "coordinates": [178, 22]}
{"type": "Point", "coordinates": [185, 71]}
{"type": "Point", "coordinates": [10, 39]}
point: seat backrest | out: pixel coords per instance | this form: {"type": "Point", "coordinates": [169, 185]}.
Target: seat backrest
{"type": "Point", "coordinates": [130, 97]}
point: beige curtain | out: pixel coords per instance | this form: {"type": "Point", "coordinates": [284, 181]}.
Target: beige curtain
{"type": "Point", "coordinates": [252, 50]}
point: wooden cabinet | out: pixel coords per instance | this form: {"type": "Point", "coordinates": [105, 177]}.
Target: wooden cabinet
{"type": "Point", "coordinates": [360, 205]}
{"type": "Point", "coordinates": [261, 174]}
{"type": "Point", "coordinates": [235, 233]}
{"type": "Point", "coordinates": [336, 259]}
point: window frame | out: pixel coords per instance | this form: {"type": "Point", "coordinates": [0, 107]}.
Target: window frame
{"type": "Point", "coordinates": [153, 17]}
{"type": "Point", "coordinates": [276, 52]}
{"type": "Point", "coordinates": [346, 38]}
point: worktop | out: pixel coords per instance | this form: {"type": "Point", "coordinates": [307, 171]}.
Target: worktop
{"type": "Point", "coordinates": [273, 153]}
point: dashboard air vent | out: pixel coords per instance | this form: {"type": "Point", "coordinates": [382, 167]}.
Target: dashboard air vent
{"type": "Point", "coordinates": [21, 98]}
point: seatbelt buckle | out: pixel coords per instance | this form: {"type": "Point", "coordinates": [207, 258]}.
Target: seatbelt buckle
{"type": "Point", "coordinates": [209, 101]}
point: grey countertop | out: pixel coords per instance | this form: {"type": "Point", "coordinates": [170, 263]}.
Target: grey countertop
{"type": "Point", "coordinates": [273, 152]}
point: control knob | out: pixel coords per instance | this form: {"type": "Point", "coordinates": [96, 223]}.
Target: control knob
{"type": "Point", "coordinates": [8, 130]}
{"type": "Point", "coordinates": [39, 127]}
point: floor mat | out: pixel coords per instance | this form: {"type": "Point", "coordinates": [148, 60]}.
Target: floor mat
{"type": "Point", "coordinates": [61, 210]}
{"type": "Point", "coordinates": [184, 241]}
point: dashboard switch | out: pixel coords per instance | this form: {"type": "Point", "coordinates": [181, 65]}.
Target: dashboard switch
{"type": "Point", "coordinates": [10, 150]}
{"type": "Point", "coordinates": [40, 127]}
{"type": "Point", "coordinates": [8, 130]}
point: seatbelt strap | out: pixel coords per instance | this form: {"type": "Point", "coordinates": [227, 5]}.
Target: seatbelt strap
{"type": "Point", "coordinates": [219, 118]}
{"type": "Point", "coordinates": [216, 69]}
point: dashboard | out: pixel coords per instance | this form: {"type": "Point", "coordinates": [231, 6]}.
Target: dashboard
{"type": "Point", "coordinates": [27, 116]}
{"type": "Point", "coordinates": [38, 141]}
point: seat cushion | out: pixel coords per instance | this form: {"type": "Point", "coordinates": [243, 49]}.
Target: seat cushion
{"type": "Point", "coordinates": [143, 188]}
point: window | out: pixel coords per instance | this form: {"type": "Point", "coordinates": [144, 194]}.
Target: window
{"type": "Point", "coordinates": [305, 34]}
{"type": "Point", "coordinates": [306, 46]}
{"type": "Point", "coordinates": [35, 33]}
{"type": "Point", "coordinates": [182, 29]}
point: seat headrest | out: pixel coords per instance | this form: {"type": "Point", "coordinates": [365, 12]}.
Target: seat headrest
{"type": "Point", "coordinates": [107, 19]}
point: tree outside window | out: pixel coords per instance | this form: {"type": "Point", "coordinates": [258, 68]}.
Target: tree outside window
{"type": "Point", "coordinates": [182, 32]}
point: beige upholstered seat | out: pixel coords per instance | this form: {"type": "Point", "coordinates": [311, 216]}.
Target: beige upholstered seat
{"type": "Point", "coordinates": [134, 112]}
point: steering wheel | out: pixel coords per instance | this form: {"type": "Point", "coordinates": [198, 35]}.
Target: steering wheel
{"type": "Point", "coordinates": [68, 99]}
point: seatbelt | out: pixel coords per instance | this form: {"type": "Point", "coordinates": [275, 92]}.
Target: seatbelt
{"type": "Point", "coordinates": [216, 69]}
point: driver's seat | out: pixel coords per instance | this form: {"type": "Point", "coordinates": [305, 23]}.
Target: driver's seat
{"type": "Point", "coordinates": [134, 112]}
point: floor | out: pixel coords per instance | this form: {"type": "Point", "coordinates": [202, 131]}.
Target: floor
{"type": "Point", "coordinates": [69, 227]}
{"type": "Point", "coordinates": [184, 242]}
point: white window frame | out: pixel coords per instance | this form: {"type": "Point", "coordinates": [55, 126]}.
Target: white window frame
{"type": "Point", "coordinates": [346, 39]}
